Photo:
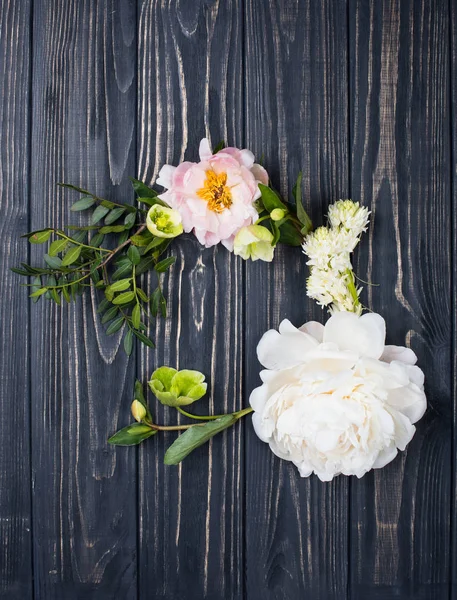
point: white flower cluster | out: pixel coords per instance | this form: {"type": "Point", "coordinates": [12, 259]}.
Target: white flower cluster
{"type": "Point", "coordinates": [331, 281]}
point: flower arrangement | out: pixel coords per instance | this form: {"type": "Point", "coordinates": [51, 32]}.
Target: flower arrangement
{"type": "Point", "coordinates": [334, 398]}
{"type": "Point", "coordinates": [223, 198]}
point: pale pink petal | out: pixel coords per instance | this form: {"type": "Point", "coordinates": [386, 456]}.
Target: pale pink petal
{"type": "Point", "coordinates": [165, 178]}
{"type": "Point", "coordinates": [400, 353]}
{"type": "Point", "coordinates": [260, 173]}
{"type": "Point", "coordinates": [205, 151]}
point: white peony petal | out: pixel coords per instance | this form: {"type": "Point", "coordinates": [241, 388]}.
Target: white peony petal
{"type": "Point", "coordinates": [165, 178]}
{"type": "Point", "coordinates": [263, 428]}
{"type": "Point", "coordinates": [385, 456]}
{"type": "Point", "coordinates": [364, 335]}
{"type": "Point", "coordinates": [259, 397]}
{"type": "Point", "coordinates": [315, 329]}
{"type": "Point", "coordinates": [282, 350]}
{"type": "Point", "coordinates": [410, 401]}
{"type": "Point", "coordinates": [204, 150]}
{"type": "Point", "coordinates": [405, 355]}
{"type": "Point", "coordinates": [404, 430]}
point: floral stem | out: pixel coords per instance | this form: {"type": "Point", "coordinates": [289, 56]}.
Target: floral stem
{"type": "Point", "coordinates": [173, 427]}
{"type": "Point", "coordinates": [66, 237]}
{"type": "Point", "coordinates": [116, 250]}
{"type": "Point", "coordinates": [238, 415]}
{"type": "Point", "coordinates": [242, 413]}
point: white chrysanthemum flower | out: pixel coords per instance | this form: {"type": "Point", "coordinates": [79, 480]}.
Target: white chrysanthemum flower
{"type": "Point", "coordinates": [331, 281]}
{"type": "Point", "coordinates": [350, 215]}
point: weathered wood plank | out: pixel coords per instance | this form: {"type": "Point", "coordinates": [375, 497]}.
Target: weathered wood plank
{"type": "Point", "coordinates": [15, 507]}
{"type": "Point", "coordinates": [453, 307]}
{"type": "Point", "coordinates": [84, 132]}
{"type": "Point", "coordinates": [400, 515]}
{"type": "Point", "coordinates": [297, 117]}
{"type": "Point", "coordinates": [191, 516]}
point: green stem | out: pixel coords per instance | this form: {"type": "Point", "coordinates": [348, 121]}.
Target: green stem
{"type": "Point", "coordinates": [242, 413]}
{"type": "Point", "coordinates": [66, 237]}
{"type": "Point", "coordinates": [173, 427]}
{"type": "Point", "coordinates": [238, 414]}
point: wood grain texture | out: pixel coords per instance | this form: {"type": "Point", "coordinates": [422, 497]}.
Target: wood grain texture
{"type": "Point", "coordinates": [84, 132]}
{"type": "Point", "coordinates": [453, 156]}
{"type": "Point", "coordinates": [297, 117]}
{"type": "Point", "coordinates": [400, 128]}
{"type": "Point", "coordinates": [16, 569]}
{"type": "Point", "coordinates": [190, 85]}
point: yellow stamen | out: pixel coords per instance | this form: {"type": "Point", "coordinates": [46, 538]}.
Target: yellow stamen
{"type": "Point", "coordinates": [215, 192]}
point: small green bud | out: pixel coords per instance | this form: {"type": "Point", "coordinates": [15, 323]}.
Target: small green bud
{"type": "Point", "coordinates": [138, 411]}
{"type": "Point", "coordinates": [277, 214]}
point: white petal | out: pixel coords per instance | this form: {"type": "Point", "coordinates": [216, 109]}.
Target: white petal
{"type": "Point", "coordinates": [280, 351]}
{"type": "Point", "coordinates": [404, 430]}
{"type": "Point", "coordinates": [314, 329]}
{"type": "Point", "coordinates": [259, 397]}
{"type": "Point", "coordinates": [364, 335]}
{"type": "Point", "coordinates": [385, 456]}
{"type": "Point", "coordinates": [400, 353]}
{"type": "Point", "coordinates": [165, 178]}
{"type": "Point", "coordinates": [410, 401]}
{"type": "Point", "coordinates": [261, 427]}
{"type": "Point", "coordinates": [205, 149]}
{"type": "Point", "coordinates": [247, 158]}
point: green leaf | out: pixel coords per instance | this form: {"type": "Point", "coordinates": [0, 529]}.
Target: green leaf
{"type": "Point", "coordinates": [97, 240]}
{"type": "Point", "coordinates": [290, 235]}
{"type": "Point", "coordinates": [155, 301]}
{"type": "Point", "coordinates": [134, 255]}
{"type": "Point", "coordinates": [141, 189]}
{"type": "Point", "coordinates": [115, 325]}
{"type": "Point", "coordinates": [36, 286]}
{"type": "Point", "coordinates": [145, 264]}
{"type": "Point", "coordinates": [132, 435]}
{"type": "Point", "coordinates": [128, 342]}
{"type": "Point", "coordinates": [124, 298]}
{"type": "Point", "coordinates": [110, 314]}
{"type": "Point", "coordinates": [98, 214]}
{"type": "Point", "coordinates": [74, 188]}
{"type": "Point", "coordinates": [112, 229]}
{"type": "Point", "coordinates": [40, 237]}
{"type": "Point", "coordinates": [114, 215]}
{"type": "Point", "coordinates": [104, 304]}
{"type": "Point", "coordinates": [144, 339]}
{"type": "Point", "coordinates": [129, 220]}
{"type": "Point", "coordinates": [38, 293]}
{"type": "Point", "coordinates": [194, 437]}
{"type": "Point", "coordinates": [57, 246]}
{"type": "Point", "coordinates": [71, 256]}
{"type": "Point", "coordinates": [53, 261]}
{"type": "Point", "coordinates": [270, 198]}
{"type": "Point", "coordinates": [22, 272]}
{"type": "Point", "coordinates": [142, 295]}
{"type": "Point", "coordinates": [122, 271]}
{"type": "Point", "coordinates": [141, 239]}
{"type": "Point", "coordinates": [154, 244]}
{"type": "Point", "coordinates": [165, 264]}
{"type": "Point", "coordinates": [219, 147]}
{"type": "Point", "coordinates": [83, 204]}
{"type": "Point", "coordinates": [152, 201]}
{"type": "Point", "coordinates": [302, 215]}
{"type": "Point", "coordinates": [136, 316]}
{"type": "Point", "coordinates": [120, 286]}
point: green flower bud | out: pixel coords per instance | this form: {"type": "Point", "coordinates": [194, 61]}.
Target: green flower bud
{"type": "Point", "coordinates": [177, 388]}
{"type": "Point", "coordinates": [138, 411]}
{"type": "Point", "coordinates": [254, 242]}
{"type": "Point", "coordinates": [277, 214]}
{"type": "Point", "coordinates": [164, 222]}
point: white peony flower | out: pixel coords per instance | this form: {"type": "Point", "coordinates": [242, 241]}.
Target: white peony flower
{"type": "Point", "coordinates": [335, 399]}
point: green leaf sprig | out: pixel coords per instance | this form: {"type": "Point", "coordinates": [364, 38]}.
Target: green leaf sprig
{"type": "Point", "coordinates": [174, 389]}
{"type": "Point", "coordinates": [77, 259]}
{"type": "Point", "coordinates": [288, 221]}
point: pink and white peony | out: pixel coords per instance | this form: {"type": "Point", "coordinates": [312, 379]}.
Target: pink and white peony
{"type": "Point", "coordinates": [334, 398]}
{"type": "Point", "coordinates": [216, 196]}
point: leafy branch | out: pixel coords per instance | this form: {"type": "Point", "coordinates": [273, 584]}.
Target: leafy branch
{"type": "Point", "coordinates": [78, 259]}
{"type": "Point", "coordinates": [174, 388]}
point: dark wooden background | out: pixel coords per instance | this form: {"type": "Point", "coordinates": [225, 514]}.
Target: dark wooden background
{"type": "Point", "coordinates": [360, 95]}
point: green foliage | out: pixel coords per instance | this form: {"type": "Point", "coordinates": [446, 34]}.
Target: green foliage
{"type": "Point", "coordinates": [132, 435]}
{"type": "Point", "coordinates": [78, 260]}
{"type": "Point", "coordinates": [196, 436]}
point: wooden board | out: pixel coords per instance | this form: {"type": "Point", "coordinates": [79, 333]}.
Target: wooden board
{"type": "Point", "coordinates": [191, 516]}
{"type": "Point", "coordinates": [84, 132]}
{"type": "Point", "coordinates": [297, 108]}
{"type": "Point", "coordinates": [400, 136]}
{"type": "Point", "coordinates": [16, 567]}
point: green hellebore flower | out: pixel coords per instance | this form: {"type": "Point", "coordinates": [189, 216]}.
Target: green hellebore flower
{"type": "Point", "coordinates": [254, 242]}
{"type": "Point", "coordinates": [177, 388]}
{"type": "Point", "coordinates": [164, 222]}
